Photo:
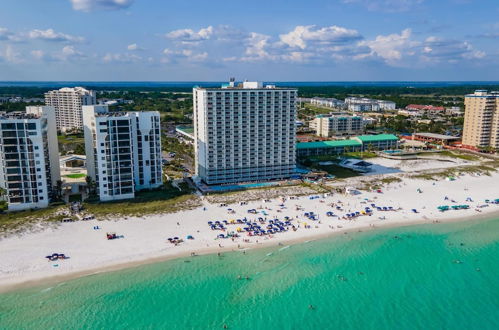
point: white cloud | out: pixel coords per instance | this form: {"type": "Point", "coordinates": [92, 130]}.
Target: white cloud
{"type": "Point", "coordinates": [134, 47]}
{"type": "Point", "coordinates": [189, 35]}
{"type": "Point", "coordinates": [9, 54]}
{"type": "Point", "coordinates": [5, 34]}
{"type": "Point", "coordinates": [387, 5]}
{"type": "Point", "coordinates": [402, 50]}
{"type": "Point", "coordinates": [89, 5]}
{"type": "Point", "coordinates": [393, 47]}
{"type": "Point", "coordinates": [257, 48]}
{"type": "Point", "coordinates": [122, 58]}
{"type": "Point", "coordinates": [69, 53]}
{"type": "Point", "coordinates": [187, 54]}
{"type": "Point", "coordinates": [328, 35]}
{"type": "Point", "coordinates": [440, 50]}
{"type": "Point", "coordinates": [51, 35]}
{"type": "Point", "coordinates": [38, 54]}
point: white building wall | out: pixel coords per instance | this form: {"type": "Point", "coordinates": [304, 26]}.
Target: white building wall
{"type": "Point", "coordinates": [28, 162]}
{"type": "Point", "coordinates": [125, 162]}
{"type": "Point", "coordinates": [48, 113]}
{"type": "Point", "coordinates": [244, 134]}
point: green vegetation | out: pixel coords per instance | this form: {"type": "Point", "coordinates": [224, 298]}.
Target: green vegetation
{"type": "Point", "coordinates": [400, 124]}
{"type": "Point", "coordinates": [173, 107]}
{"type": "Point", "coordinates": [17, 220]}
{"type": "Point", "coordinates": [309, 110]}
{"type": "Point", "coordinates": [455, 154]}
{"type": "Point", "coordinates": [361, 154]}
{"type": "Point", "coordinates": [336, 170]}
{"type": "Point", "coordinates": [18, 106]}
{"type": "Point", "coordinates": [390, 179]}
{"type": "Point", "coordinates": [75, 176]}
{"type": "Point", "coordinates": [164, 200]}
{"type": "Point", "coordinates": [485, 168]}
{"type": "Point", "coordinates": [74, 143]}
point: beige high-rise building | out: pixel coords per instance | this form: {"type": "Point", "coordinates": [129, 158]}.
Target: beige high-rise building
{"type": "Point", "coordinates": [481, 120]}
{"type": "Point", "coordinates": [67, 103]}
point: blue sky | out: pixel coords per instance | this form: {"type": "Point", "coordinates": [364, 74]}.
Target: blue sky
{"type": "Point", "coordinates": [272, 40]}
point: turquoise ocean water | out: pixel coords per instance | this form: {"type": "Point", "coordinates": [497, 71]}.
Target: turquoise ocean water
{"type": "Point", "coordinates": [443, 276]}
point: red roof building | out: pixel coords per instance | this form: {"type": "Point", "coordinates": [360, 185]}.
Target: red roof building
{"type": "Point", "coordinates": [424, 107]}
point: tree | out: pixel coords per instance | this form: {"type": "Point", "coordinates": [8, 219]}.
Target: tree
{"type": "Point", "coordinates": [79, 149]}
{"type": "Point", "coordinates": [3, 203]}
{"type": "Point", "coordinates": [90, 185]}
{"type": "Point", "coordinates": [58, 190]}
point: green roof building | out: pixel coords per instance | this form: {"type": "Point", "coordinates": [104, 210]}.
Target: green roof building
{"type": "Point", "coordinates": [358, 143]}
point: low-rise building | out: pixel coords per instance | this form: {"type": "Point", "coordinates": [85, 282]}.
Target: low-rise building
{"type": "Point", "coordinates": [378, 142]}
{"type": "Point", "coordinates": [338, 125]}
{"type": "Point", "coordinates": [328, 102]}
{"type": "Point", "coordinates": [334, 147]}
{"type": "Point", "coordinates": [428, 110]}
{"type": "Point", "coordinates": [454, 111]}
{"type": "Point", "coordinates": [123, 151]}
{"type": "Point", "coordinates": [337, 147]}
{"type": "Point", "coordinates": [29, 158]}
{"type": "Point", "coordinates": [435, 138]}
{"type": "Point", "coordinates": [363, 104]}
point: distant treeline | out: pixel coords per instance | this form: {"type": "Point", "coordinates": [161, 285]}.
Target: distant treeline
{"type": "Point", "coordinates": [304, 91]}
{"type": "Point", "coordinates": [341, 92]}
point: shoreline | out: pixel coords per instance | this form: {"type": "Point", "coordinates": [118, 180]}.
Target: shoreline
{"type": "Point", "coordinates": [57, 279]}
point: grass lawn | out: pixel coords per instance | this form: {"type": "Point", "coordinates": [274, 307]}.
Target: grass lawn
{"type": "Point", "coordinates": [75, 176]}
{"type": "Point", "coordinates": [361, 155]}
{"type": "Point", "coordinates": [70, 139]}
{"type": "Point", "coordinates": [166, 200]}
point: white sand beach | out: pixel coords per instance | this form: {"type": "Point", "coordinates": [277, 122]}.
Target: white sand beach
{"type": "Point", "coordinates": [22, 258]}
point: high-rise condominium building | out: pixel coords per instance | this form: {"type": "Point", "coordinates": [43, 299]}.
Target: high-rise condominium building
{"type": "Point", "coordinates": [29, 157]}
{"type": "Point", "coordinates": [123, 151]}
{"type": "Point", "coordinates": [244, 133]}
{"type": "Point", "coordinates": [338, 124]}
{"type": "Point", "coordinates": [481, 120]}
{"type": "Point", "coordinates": [68, 104]}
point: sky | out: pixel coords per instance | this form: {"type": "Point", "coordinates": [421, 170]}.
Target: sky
{"type": "Point", "coordinates": [271, 40]}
